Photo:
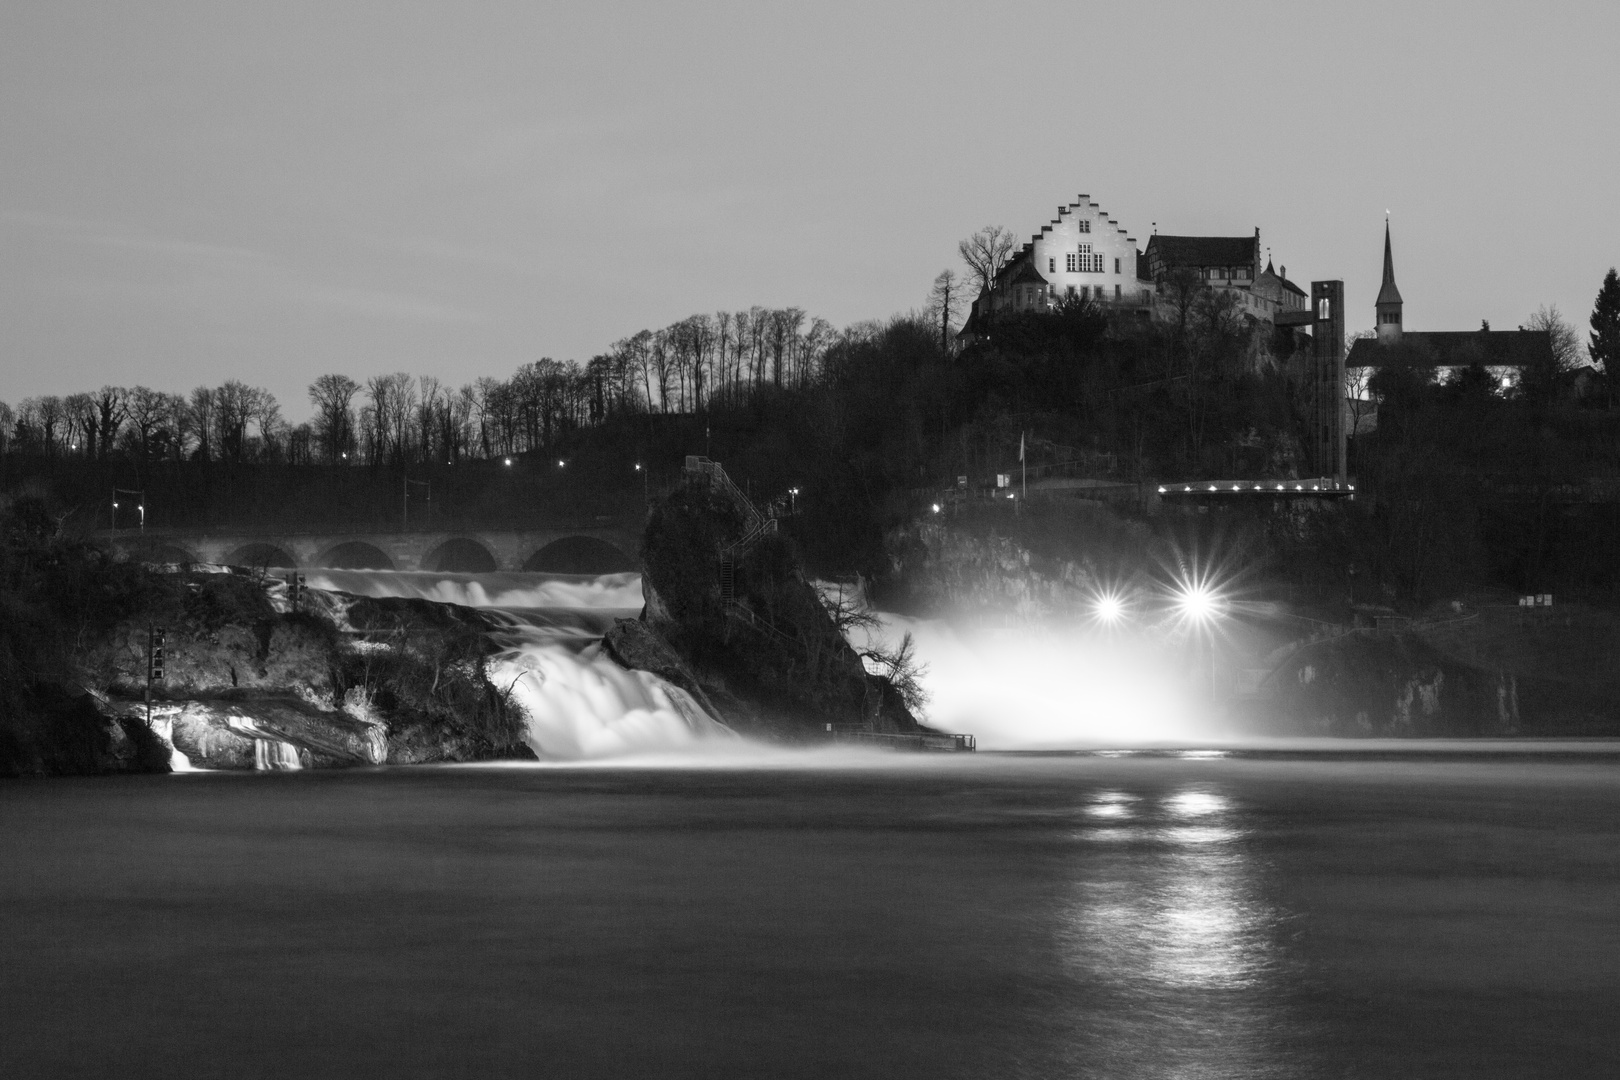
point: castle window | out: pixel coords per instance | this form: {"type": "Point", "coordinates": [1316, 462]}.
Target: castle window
{"type": "Point", "coordinates": [1116, 266]}
{"type": "Point", "coordinates": [1118, 292]}
{"type": "Point", "coordinates": [1084, 224]}
{"type": "Point", "coordinates": [1071, 292]}
{"type": "Point", "coordinates": [1071, 262]}
{"type": "Point", "coordinates": [1051, 266]}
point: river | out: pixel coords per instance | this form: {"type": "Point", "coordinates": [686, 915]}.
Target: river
{"type": "Point", "coordinates": [705, 907]}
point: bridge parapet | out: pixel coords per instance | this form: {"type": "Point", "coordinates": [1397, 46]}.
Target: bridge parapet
{"type": "Point", "coordinates": [593, 549]}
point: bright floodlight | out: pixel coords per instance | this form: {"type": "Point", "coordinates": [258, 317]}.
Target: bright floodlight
{"type": "Point", "coordinates": [936, 508]}
{"type": "Point", "coordinates": [1197, 603]}
{"type": "Point", "coordinates": [509, 461]}
{"type": "Point", "coordinates": [1109, 608]}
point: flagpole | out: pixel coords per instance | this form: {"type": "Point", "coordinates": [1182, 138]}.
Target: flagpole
{"type": "Point", "coordinates": [1023, 466]}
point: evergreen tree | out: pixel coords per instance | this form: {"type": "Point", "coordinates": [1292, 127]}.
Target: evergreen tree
{"type": "Point", "coordinates": [1605, 341]}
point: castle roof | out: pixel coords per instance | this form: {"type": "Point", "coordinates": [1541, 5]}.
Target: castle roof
{"type": "Point", "coordinates": [1177, 251]}
{"type": "Point", "coordinates": [1456, 348]}
{"type": "Point", "coordinates": [1284, 282]}
{"type": "Point", "coordinates": [1026, 274]}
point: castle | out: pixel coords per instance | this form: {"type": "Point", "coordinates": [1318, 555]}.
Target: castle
{"type": "Point", "coordinates": [1085, 254]}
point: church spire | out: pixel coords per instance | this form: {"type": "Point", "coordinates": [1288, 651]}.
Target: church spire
{"type": "Point", "coordinates": [1388, 304]}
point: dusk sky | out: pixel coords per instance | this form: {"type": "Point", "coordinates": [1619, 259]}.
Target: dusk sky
{"type": "Point", "coordinates": [196, 192]}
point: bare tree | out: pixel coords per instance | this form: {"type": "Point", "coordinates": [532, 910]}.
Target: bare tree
{"type": "Point", "coordinates": [148, 411]}
{"type": "Point", "coordinates": [52, 416]}
{"type": "Point", "coordinates": [985, 253]}
{"type": "Point", "coordinates": [202, 409]}
{"type": "Point", "coordinates": [111, 408]}
{"type": "Point", "coordinates": [81, 423]}
{"type": "Point", "coordinates": [1566, 344]}
{"type": "Point", "coordinates": [333, 398]}
{"type": "Point", "coordinates": [945, 304]}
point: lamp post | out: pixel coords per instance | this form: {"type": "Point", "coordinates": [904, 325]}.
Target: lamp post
{"type": "Point", "coordinates": [140, 505]}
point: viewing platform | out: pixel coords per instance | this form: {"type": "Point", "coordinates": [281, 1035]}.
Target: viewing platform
{"type": "Point", "coordinates": [1321, 487]}
{"type": "Point", "coordinates": [923, 742]}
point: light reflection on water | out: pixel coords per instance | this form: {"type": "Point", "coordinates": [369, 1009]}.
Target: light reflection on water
{"type": "Point", "coordinates": [1172, 916]}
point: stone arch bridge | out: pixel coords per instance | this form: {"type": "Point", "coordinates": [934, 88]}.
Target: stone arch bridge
{"type": "Point", "coordinates": [596, 549]}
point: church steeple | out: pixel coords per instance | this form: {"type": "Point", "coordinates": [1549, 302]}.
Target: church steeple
{"type": "Point", "coordinates": [1388, 304]}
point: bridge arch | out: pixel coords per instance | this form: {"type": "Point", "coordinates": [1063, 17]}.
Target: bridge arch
{"type": "Point", "coordinates": [354, 555]}
{"type": "Point", "coordinates": [261, 553]}
{"type": "Point", "coordinates": [460, 555]}
{"type": "Point", "coordinates": [162, 552]}
{"type": "Point", "coordinates": [579, 555]}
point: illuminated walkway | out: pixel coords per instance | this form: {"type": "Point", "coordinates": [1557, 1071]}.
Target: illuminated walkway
{"type": "Point", "coordinates": [1321, 487]}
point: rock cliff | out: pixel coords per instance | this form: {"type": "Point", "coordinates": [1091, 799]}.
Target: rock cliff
{"type": "Point", "coordinates": [767, 659]}
{"type": "Point", "coordinates": [248, 682]}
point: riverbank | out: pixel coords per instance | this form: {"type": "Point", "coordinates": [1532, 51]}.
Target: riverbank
{"type": "Point", "coordinates": [247, 679]}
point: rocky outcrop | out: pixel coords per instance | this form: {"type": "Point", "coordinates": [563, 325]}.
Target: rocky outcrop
{"type": "Point", "coordinates": [633, 644]}
{"type": "Point", "coordinates": [57, 731]}
{"type": "Point", "coordinates": [346, 682]}
{"type": "Point", "coordinates": [767, 658]}
{"type": "Point", "coordinates": [222, 734]}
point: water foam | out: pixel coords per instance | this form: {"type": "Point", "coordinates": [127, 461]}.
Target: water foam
{"type": "Point", "coordinates": [579, 703]}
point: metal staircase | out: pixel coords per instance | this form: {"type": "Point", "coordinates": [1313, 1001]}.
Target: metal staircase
{"type": "Point", "coordinates": [757, 524]}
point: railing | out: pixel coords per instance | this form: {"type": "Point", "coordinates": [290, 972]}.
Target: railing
{"type": "Point", "coordinates": [743, 613]}
{"type": "Point", "coordinates": [710, 474]}
{"type": "Point", "coordinates": [920, 742]}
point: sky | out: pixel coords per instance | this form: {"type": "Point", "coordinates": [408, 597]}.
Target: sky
{"type": "Point", "coordinates": [192, 192]}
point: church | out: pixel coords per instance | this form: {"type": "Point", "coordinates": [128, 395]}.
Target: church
{"type": "Point", "coordinates": [1443, 354]}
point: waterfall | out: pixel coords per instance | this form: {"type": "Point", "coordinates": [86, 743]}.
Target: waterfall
{"type": "Point", "coordinates": [549, 628]}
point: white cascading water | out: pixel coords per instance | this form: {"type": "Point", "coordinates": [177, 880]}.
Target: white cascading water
{"type": "Point", "coordinates": [579, 703]}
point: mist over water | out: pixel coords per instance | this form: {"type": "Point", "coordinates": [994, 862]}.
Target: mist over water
{"type": "Point", "coordinates": [1050, 685]}
{"type": "Point", "coordinates": [579, 703]}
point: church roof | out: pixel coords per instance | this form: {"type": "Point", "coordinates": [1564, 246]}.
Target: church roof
{"type": "Point", "coordinates": [1388, 294]}
{"type": "Point", "coordinates": [1175, 251]}
{"type": "Point", "coordinates": [1456, 348]}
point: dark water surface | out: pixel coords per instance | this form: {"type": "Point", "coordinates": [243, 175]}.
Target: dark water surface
{"type": "Point", "coordinates": [963, 916]}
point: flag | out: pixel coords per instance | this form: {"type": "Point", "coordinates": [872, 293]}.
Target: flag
{"type": "Point", "coordinates": [1020, 446]}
